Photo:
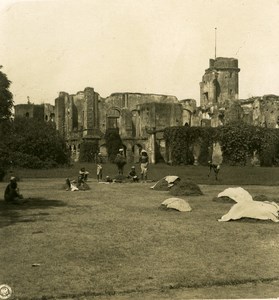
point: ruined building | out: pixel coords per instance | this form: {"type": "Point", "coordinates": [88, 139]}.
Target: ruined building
{"type": "Point", "coordinates": [141, 118]}
{"type": "Point", "coordinates": [138, 118]}
{"type": "Point", "coordinates": [220, 82]}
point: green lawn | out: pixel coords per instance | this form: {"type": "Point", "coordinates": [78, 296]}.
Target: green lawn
{"type": "Point", "coordinates": [114, 239]}
{"type": "Point", "coordinates": [228, 175]}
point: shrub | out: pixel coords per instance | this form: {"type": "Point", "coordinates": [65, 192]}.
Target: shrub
{"type": "Point", "coordinates": [36, 144]}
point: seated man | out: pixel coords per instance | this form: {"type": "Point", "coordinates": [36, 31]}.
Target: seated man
{"type": "Point", "coordinates": [133, 175]}
{"type": "Point", "coordinates": [108, 179]}
{"type": "Point", "coordinates": [71, 185]}
{"type": "Point", "coordinates": [12, 194]}
{"type": "Point", "coordinates": [83, 175]}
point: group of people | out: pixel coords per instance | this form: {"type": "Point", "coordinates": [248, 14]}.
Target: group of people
{"type": "Point", "coordinates": [12, 194]}
{"type": "Point", "coordinates": [120, 161]}
{"type": "Point", "coordinates": [80, 184]}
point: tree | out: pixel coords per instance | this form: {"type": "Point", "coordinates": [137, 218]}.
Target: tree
{"type": "Point", "coordinates": [6, 105]}
{"type": "Point", "coordinates": [6, 98]}
{"type": "Point", "coordinates": [36, 144]}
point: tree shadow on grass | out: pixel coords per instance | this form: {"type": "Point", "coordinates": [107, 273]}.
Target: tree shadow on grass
{"type": "Point", "coordinates": [15, 213]}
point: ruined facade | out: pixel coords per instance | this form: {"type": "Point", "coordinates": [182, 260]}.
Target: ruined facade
{"type": "Point", "coordinates": [40, 112]}
{"type": "Point", "coordinates": [141, 118]}
{"type": "Point", "coordinates": [137, 117]}
{"type": "Point", "coordinates": [220, 82]}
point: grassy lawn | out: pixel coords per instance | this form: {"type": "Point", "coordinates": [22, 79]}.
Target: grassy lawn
{"type": "Point", "coordinates": [228, 175]}
{"type": "Point", "coordinates": [114, 239]}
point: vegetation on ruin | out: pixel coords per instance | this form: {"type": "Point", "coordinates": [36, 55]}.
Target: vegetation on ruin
{"type": "Point", "coordinates": [113, 143]}
{"type": "Point", "coordinates": [238, 141]}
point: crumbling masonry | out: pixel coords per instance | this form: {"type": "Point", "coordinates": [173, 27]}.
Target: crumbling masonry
{"type": "Point", "coordinates": [141, 118]}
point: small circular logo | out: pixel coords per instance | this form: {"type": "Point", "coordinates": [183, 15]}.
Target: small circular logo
{"type": "Point", "coordinates": [5, 291]}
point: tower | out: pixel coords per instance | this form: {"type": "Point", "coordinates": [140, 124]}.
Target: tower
{"type": "Point", "coordinates": [220, 82]}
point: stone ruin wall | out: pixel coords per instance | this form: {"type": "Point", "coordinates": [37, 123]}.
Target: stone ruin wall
{"type": "Point", "coordinates": [85, 115]}
{"type": "Point", "coordinates": [141, 118]}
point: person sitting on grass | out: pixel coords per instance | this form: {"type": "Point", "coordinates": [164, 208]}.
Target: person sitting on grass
{"type": "Point", "coordinates": [82, 178]}
{"type": "Point", "coordinates": [12, 194]}
{"type": "Point", "coordinates": [83, 174]}
{"type": "Point", "coordinates": [71, 185]}
{"type": "Point", "coordinates": [108, 179]}
{"type": "Point", "coordinates": [133, 175]}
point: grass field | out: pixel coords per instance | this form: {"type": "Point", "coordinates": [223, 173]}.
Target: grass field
{"type": "Point", "coordinates": [114, 239]}
{"type": "Point", "coordinates": [228, 175]}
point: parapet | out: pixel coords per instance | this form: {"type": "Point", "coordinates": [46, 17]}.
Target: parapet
{"type": "Point", "coordinates": [223, 63]}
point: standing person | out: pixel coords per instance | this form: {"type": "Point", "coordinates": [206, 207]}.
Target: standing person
{"type": "Point", "coordinates": [144, 162]}
{"type": "Point", "coordinates": [12, 194]}
{"type": "Point", "coordinates": [99, 162]}
{"type": "Point", "coordinates": [120, 161]}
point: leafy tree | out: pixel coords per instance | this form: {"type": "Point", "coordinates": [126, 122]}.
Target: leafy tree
{"type": "Point", "coordinates": [6, 105]}
{"type": "Point", "coordinates": [36, 144]}
{"type": "Point", "coordinates": [6, 98]}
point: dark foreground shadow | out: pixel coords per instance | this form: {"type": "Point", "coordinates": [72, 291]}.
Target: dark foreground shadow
{"type": "Point", "coordinates": [15, 213]}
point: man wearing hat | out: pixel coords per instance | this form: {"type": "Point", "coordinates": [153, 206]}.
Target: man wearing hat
{"type": "Point", "coordinates": [133, 175]}
{"type": "Point", "coordinates": [120, 161]}
{"type": "Point", "coordinates": [12, 194]}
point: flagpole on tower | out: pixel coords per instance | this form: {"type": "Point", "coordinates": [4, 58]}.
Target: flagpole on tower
{"type": "Point", "coordinates": [215, 40]}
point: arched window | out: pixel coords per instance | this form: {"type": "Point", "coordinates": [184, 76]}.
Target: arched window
{"type": "Point", "coordinates": [112, 118]}
{"type": "Point", "coordinates": [27, 115]}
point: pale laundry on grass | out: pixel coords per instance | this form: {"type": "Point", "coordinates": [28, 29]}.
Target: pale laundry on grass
{"type": "Point", "coordinates": [246, 207]}
{"type": "Point", "coordinates": [176, 204]}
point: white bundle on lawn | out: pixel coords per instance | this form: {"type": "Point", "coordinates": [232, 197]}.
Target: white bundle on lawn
{"type": "Point", "coordinates": [177, 204]}
{"type": "Point", "coordinates": [246, 207]}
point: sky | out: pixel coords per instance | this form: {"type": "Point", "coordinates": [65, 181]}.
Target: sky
{"type": "Point", "coordinates": [145, 46]}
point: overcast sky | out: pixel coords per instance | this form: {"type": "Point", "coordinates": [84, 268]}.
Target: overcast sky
{"type": "Point", "coordinates": [147, 46]}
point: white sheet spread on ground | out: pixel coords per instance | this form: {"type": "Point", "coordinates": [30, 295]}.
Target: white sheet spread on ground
{"type": "Point", "coordinates": [246, 207]}
{"type": "Point", "coordinates": [177, 204]}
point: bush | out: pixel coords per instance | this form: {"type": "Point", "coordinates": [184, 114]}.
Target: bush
{"type": "Point", "coordinates": [36, 144]}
